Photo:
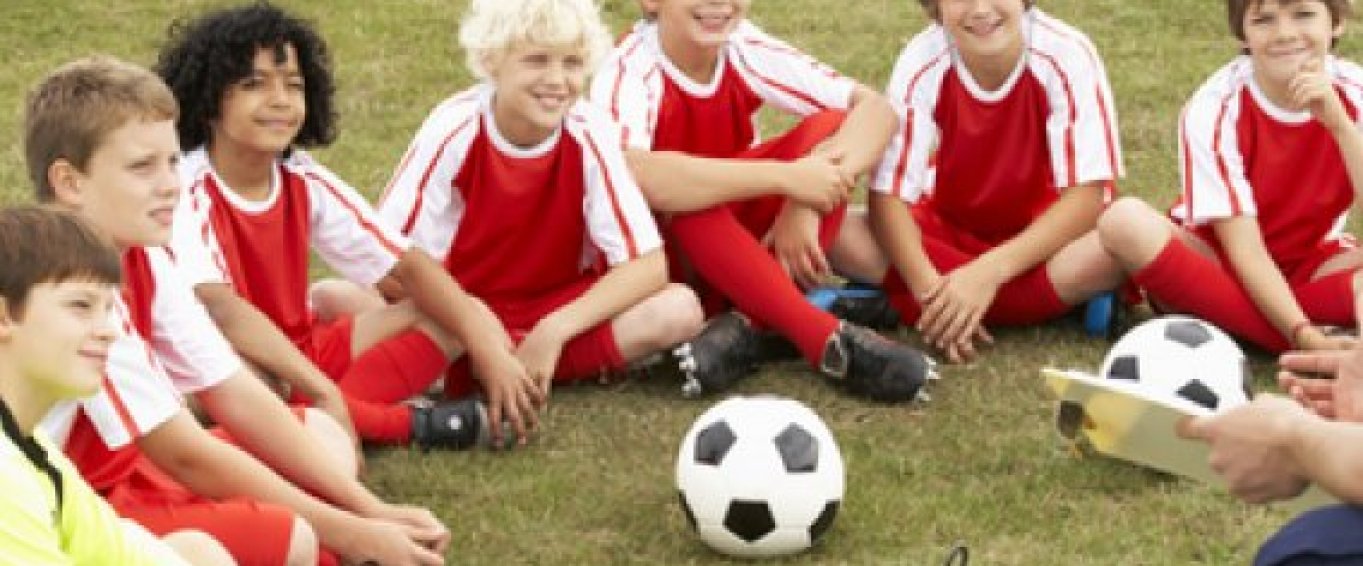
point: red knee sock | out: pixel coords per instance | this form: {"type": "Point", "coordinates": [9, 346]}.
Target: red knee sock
{"type": "Point", "coordinates": [1330, 299]}
{"type": "Point", "coordinates": [731, 260]}
{"type": "Point", "coordinates": [386, 374]}
{"type": "Point", "coordinates": [1187, 282]}
{"type": "Point", "coordinates": [1027, 299]}
{"type": "Point", "coordinates": [380, 423]}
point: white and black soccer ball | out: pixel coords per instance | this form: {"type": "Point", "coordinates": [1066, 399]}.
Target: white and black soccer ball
{"type": "Point", "coordinates": [759, 476]}
{"type": "Point", "coordinates": [1181, 359]}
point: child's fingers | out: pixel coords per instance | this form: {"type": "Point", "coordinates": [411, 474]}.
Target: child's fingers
{"type": "Point", "coordinates": [982, 334]}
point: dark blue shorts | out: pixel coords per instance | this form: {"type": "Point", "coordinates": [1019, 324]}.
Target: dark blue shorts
{"type": "Point", "coordinates": [1328, 535]}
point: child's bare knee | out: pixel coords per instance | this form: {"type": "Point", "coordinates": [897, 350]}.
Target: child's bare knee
{"type": "Point", "coordinates": [1122, 222]}
{"type": "Point", "coordinates": [678, 313]}
{"type": "Point", "coordinates": [333, 439]}
{"type": "Point", "coordinates": [303, 549]}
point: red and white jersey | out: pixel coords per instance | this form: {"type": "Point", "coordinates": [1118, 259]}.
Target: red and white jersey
{"type": "Point", "coordinates": [660, 108]}
{"type": "Point", "coordinates": [992, 161]}
{"type": "Point", "coordinates": [1242, 155]}
{"type": "Point", "coordinates": [262, 248]}
{"type": "Point", "coordinates": [512, 222]}
{"type": "Point", "coordinates": [138, 394]}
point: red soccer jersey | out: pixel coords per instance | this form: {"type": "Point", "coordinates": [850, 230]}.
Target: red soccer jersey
{"type": "Point", "coordinates": [515, 223]}
{"type": "Point", "coordinates": [660, 108]}
{"type": "Point", "coordinates": [1244, 156]}
{"type": "Point", "coordinates": [990, 162]}
{"type": "Point", "coordinates": [262, 248]}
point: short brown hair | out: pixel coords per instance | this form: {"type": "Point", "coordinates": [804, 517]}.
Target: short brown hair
{"type": "Point", "coordinates": [1236, 9]}
{"type": "Point", "coordinates": [41, 245]}
{"type": "Point", "coordinates": [934, 11]}
{"type": "Point", "coordinates": [68, 115]}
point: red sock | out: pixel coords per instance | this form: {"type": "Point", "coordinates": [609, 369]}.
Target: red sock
{"type": "Point", "coordinates": [386, 374]}
{"type": "Point", "coordinates": [380, 423]}
{"type": "Point", "coordinates": [394, 369]}
{"type": "Point", "coordinates": [730, 259]}
{"type": "Point", "coordinates": [1188, 282]}
{"type": "Point", "coordinates": [1026, 299]}
{"type": "Point", "coordinates": [589, 355]}
{"type": "Point", "coordinates": [1330, 299]}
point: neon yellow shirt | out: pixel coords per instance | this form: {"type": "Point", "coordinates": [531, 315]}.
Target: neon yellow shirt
{"type": "Point", "coordinates": [87, 531]}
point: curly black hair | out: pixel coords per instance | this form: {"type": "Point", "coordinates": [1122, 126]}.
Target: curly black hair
{"type": "Point", "coordinates": [208, 54]}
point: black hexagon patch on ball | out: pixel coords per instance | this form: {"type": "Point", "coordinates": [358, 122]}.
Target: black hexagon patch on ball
{"type": "Point", "coordinates": [799, 450]}
{"type": "Point", "coordinates": [1190, 333]}
{"type": "Point", "coordinates": [749, 520]}
{"type": "Point", "coordinates": [713, 443]}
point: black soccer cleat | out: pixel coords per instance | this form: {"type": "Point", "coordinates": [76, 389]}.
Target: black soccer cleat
{"type": "Point", "coordinates": [871, 310]}
{"type": "Point", "coordinates": [726, 351]}
{"type": "Point", "coordinates": [457, 425]}
{"type": "Point", "coordinates": [872, 366]}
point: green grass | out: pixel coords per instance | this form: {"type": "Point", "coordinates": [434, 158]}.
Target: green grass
{"type": "Point", "coordinates": [980, 464]}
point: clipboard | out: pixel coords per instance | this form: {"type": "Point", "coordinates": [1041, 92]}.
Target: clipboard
{"type": "Point", "coordinates": [1123, 422]}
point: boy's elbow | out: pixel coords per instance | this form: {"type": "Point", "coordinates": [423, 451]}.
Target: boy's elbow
{"type": "Point", "coordinates": [872, 100]}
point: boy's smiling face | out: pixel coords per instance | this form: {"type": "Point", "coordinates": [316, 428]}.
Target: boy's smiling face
{"type": "Point", "coordinates": [263, 111]}
{"type": "Point", "coordinates": [536, 86]}
{"type": "Point", "coordinates": [61, 339]}
{"type": "Point", "coordinates": [1281, 36]}
{"type": "Point", "coordinates": [701, 23]}
{"type": "Point", "coordinates": [983, 29]}
{"type": "Point", "coordinates": [130, 186]}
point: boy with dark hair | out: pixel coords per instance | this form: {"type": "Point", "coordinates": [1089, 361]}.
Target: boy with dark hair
{"type": "Point", "coordinates": [1272, 162]}
{"type": "Point", "coordinates": [255, 88]}
{"type": "Point", "coordinates": [100, 140]}
{"type": "Point", "coordinates": [1007, 151]}
{"type": "Point", "coordinates": [56, 300]}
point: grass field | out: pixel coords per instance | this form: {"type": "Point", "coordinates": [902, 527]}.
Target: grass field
{"type": "Point", "coordinates": [979, 464]}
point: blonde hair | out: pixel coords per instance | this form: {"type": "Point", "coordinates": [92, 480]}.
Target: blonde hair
{"type": "Point", "coordinates": [492, 27]}
{"type": "Point", "coordinates": [69, 113]}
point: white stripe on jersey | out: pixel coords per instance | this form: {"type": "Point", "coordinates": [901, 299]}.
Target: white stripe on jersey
{"type": "Point", "coordinates": [186, 341]}
{"type": "Point", "coordinates": [1215, 184]}
{"type": "Point", "coordinates": [423, 200]}
{"type": "Point", "coordinates": [415, 201]}
{"type": "Point", "coordinates": [345, 231]}
{"type": "Point", "coordinates": [1082, 130]}
{"type": "Point", "coordinates": [630, 83]}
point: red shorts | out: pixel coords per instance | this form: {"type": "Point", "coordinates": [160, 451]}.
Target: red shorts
{"type": "Point", "coordinates": [252, 531]}
{"type": "Point", "coordinates": [327, 344]}
{"type": "Point", "coordinates": [587, 355]}
{"type": "Point", "coordinates": [1297, 273]}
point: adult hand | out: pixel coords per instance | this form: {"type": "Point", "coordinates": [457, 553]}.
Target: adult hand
{"type": "Point", "coordinates": [1328, 383]}
{"type": "Point", "coordinates": [1251, 447]}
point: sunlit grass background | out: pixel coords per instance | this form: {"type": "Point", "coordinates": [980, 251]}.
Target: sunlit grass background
{"type": "Point", "coordinates": [980, 464]}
